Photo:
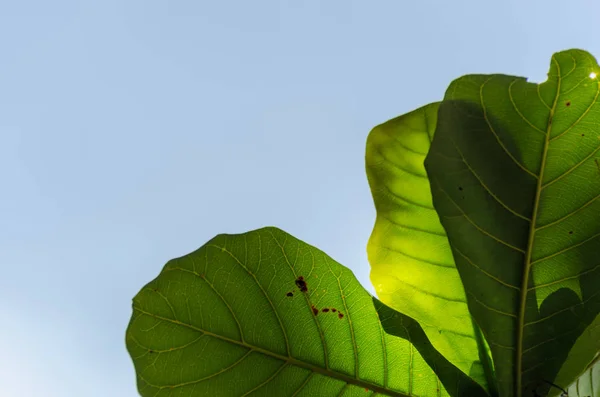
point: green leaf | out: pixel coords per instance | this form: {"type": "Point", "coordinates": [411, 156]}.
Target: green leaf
{"type": "Point", "coordinates": [515, 180]}
{"type": "Point", "coordinates": [412, 267]}
{"type": "Point", "coordinates": [398, 324]}
{"type": "Point", "coordinates": [582, 353]}
{"type": "Point", "coordinates": [265, 314]}
{"type": "Point", "coordinates": [588, 383]}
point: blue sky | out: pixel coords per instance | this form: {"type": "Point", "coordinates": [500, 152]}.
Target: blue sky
{"type": "Point", "coordinates": [131, 132]}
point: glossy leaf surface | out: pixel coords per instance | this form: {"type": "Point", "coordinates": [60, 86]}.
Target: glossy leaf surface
{"type": "Point", "coordinates": [515, 179]}
{"type": "Point", "coordinates": [265, 314]}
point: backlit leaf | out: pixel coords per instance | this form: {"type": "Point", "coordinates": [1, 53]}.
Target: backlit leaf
{"type": "Point", "coordinates": [412, 267]}
{"type": "Point", "coordinates": [265, 314]}
{"type": "Point", "coordinates": [515, 179]}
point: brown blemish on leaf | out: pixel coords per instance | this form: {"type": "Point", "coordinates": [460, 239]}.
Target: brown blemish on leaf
{"type": "Point", "coordinates": [325, 310]}
{"type": "Point", "coordinates": [300, 283]}
{"type": "Point", "coordinates": [333, 309]}
{"type": "Point", "coordinates": [460, 188]}
{"type": "Point", "coordinates": [570, 232]}
{"type": "Point", "coordinates": [568, 104]}
{"type": "Point", "coordinates": [290, 294]}
{"type": "Point", "coordinates": [315, 310]}
{"type": "Point", "coordinates": [340, 315]}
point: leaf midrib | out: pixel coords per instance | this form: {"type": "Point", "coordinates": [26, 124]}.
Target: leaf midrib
{"type": "Point", "coordinates": [532, 230]}
{"type": "Point", "coordinates": [287, 359]}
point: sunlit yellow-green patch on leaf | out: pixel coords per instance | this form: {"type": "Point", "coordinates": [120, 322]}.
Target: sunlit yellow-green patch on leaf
{"type": "Point", "coordinates": [412, 268]}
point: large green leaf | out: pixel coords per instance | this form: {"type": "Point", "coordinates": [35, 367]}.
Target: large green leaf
{"type": "Point", "coordinates": [265, 314]}
{"type": "Point", "coordinates": [516, 182]}
{"type": "Point", "coordinates": [412, 267]}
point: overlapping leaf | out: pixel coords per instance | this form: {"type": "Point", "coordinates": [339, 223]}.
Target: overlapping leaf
{"type": "Point", "coordinates": [412, 267]}
{"type": "Point", "coordinates": [264, 314]}
{"type": "Point", "coordinates": [515, 180]}
{"type": "Point", "coordinates": [585, 350]}
{"type": "Point", "coordinates": [588, 384]}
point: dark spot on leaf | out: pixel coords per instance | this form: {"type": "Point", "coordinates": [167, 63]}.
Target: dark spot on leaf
{"type": "Point", "coordinates": [325, 310]}
{"type": "Point", "coordinates": [439, 331]}
{"type": "Point", "coordinates": [333, 309]}
{"type": "Point", "coordinates": [290, 294]}
{"type": "Point", "coordinates": [366, 389]}
{"type": "Point", "coordinates": [150, 351]}
{"type": "Point", "coordinates": [340, 315]}
{"type": "Point", "coordinates": [582, 134]}
{"type": "Point", "coordinates": [315, 310]}
{"type": "Point", "coordinates": [568, 103]}
{"type": "Point", "coordinates": [570, 232]}
{"type": "Point", "coordinates": [460, 188]}
{"type": "Point", "coordinates": [300, 283]}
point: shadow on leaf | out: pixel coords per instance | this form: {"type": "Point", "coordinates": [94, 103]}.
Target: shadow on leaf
{"type": "Point", "coordinates": [455, 381]}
